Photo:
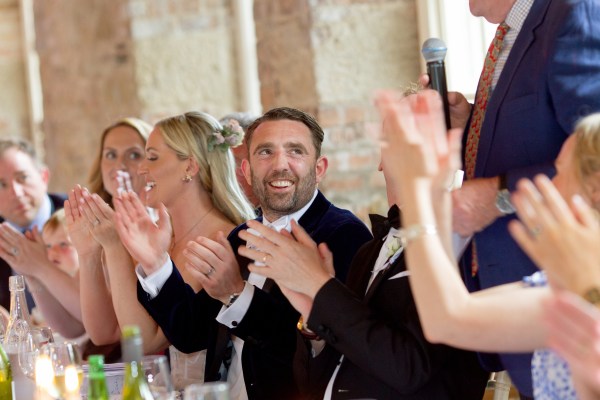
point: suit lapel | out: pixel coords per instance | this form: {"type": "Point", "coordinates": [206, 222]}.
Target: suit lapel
{"type": "Point", "coordinates": [397, 267]}
{"type": "Point", "coordinates": [524, 40]}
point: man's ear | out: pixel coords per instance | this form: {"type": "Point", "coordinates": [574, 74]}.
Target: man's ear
{"type": "Point", "coordinates": [321, 167]}
{"type": "Point", "coordinates": [45, 174]}
{"type": "Point", "coordinates": [246, 171]}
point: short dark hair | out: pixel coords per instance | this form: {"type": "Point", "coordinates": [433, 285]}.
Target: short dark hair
{"type": "Point", "coordinates": [288, 113]}
{"type": "Point", "coordinates": [21, 145]}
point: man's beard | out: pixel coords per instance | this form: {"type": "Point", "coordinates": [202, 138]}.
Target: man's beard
{"type": "Point", "coordinates": [277, 205]}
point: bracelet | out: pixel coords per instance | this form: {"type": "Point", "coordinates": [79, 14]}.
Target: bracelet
{"type": "Point", "coordinates": [307, 333]}
{"type": "Point", "coordinates": [412, 232]}
{"type": "Point", "coordinates": [592, 296]}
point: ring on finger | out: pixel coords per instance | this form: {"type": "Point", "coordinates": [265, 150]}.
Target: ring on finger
{"type": "Point", "coordinates": [14, 251]}
{"type": "Point", "coordinates": [535, 231]}
{"type": "Point", "coordinates": [96, 222]}
{"type": "Point", "coordinates": [210, 272]}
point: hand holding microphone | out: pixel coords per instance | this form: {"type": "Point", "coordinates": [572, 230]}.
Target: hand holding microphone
{"type": "Point", "coordinates": [434, 52]}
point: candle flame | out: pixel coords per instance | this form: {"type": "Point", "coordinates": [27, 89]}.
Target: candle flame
{"type": "Point", "coordinates": [44, 374]}
{"type": "Point", "coordinates": [71, 379]}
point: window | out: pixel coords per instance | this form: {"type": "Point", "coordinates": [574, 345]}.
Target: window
{"type": "Point", "coordinates": [467, 39]}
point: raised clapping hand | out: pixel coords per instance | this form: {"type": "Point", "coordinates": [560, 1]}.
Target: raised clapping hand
{"type": "Point", "coordinates": [100, 218]}
{"type": "Point", "coordinates": [78, 225]}
{"type": "Point", "coordinates": [415, 144]}
{"type": "Point", "coordinates": [214, 265]}
{"type": "Point", "coordinates": [574, 333]}
{"type": "Point", "coordinates": [563, 239]}
{"type": "Point", "coordinates": [293, 260]}
{"type": "Point", "coordinates": [24, 253]}
{"type": "Point", "coordinates": [146, 241]}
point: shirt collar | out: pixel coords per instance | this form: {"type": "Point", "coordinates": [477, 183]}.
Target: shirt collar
{"type": "Point", "coordinates": [517, 14]}
{"type": "Point", "coordinates": [284, 221]}
{"type": "Point", "coordinates": [40, 218]}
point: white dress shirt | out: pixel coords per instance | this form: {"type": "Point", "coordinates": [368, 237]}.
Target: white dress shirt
{"type": "Point", "coordinates": [229, 316]}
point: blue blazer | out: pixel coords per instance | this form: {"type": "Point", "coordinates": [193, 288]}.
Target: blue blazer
{"type": "Point", "coordinates": [550, 80]}
{"type": "Point", "coordinates": [57, 202]}
{"type": "Point", "coordinates": [269, 327]}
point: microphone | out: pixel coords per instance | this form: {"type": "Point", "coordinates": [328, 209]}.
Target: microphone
{"type": "Point", "coordinates": [434, 52]}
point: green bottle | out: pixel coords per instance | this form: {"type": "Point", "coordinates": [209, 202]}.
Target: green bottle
{"type": "Point", "coordinates": [135, 386]}
{"type": "Point", "coordinates": [5, 376]}
{"type": "Point", "coordinates": [97, 389]}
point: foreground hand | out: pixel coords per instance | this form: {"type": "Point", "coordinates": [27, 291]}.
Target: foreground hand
{"type": "Point", "coordinates": [562, 240]}
{"type": "Point", "coordinates": [100, 219]}
{"type": "Point", "coordinates": [26, 255]}
{"type": "Point", "coordinates": [146, 241]}
{"type": "Point", "coordinates": [214, 265]}
{"type": "Point", "coordinates": [293, 261]}
{"type": "Point", "coordinates": [474, 206]}
{"type": "Point", "coordinates": [415, 148]}
{"type": "Point", "coordinates": [77, 224]}
{"type": "Point", "coordinates": [574, 333]}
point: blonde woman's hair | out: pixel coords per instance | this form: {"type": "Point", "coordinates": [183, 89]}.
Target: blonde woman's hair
{"type": "Point", "coordinates": [586, 154]}
{"type": "Point", "coordinates": [95, 182]}
{"type": "Point", "coordinates": [188, 136]}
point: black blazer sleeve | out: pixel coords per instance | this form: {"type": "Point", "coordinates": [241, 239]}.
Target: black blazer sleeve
{"type": "Point", "coordinates": [393, 350]}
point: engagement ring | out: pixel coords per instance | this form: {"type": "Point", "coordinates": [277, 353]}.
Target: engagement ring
{"type": "Point", "coordinates": [14, 251]}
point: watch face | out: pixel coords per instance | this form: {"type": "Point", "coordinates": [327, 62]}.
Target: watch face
{"type": "Point", "coordinates": [503, 203]}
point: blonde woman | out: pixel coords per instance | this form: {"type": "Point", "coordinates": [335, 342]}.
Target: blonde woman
{"type": "Point", "coordinates": [189, 176]}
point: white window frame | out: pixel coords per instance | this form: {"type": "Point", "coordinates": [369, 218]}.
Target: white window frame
{"type": "Point", "coordinates": [466, 38]}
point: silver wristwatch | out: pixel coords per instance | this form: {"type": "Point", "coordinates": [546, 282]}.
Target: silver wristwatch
{"type": "Point", "coordinates": [503, 203]}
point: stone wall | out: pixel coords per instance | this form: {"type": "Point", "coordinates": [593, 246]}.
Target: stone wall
{"type": "Point", "coordinates": [153, 58]}
{"type": "Point", "coordinates": [328, 57]}
{"type": "Point", "coordinates": [13, 88]}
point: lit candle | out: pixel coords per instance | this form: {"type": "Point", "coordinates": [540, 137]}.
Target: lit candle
{"type": "Point", "coordinates": [72, 383]}
{"type": "Point", "coordinates": [44, 377]}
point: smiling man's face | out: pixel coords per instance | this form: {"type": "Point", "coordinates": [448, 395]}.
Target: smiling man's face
{"type": "Point", "coordinates": [283, 167]}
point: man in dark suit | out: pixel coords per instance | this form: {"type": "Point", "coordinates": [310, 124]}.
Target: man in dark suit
{"type": "Point", "coordinates": [284, 167]}
{"type": "Point", "coordinates": [372, 321]}
{"type": "Point", "coordinates": [24, 205]}
{"type": "Point", "coordinates": [547, 77]}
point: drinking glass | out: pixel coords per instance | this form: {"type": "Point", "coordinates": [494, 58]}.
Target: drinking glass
{"type": "Point", "coordinates": [29, 348]}
{"type": "Point", "coordinates": [158, 374]}
{"type": "Point", "coordinates": [207, 391]}
{"type": "Point", "coordinates": [66, 363]}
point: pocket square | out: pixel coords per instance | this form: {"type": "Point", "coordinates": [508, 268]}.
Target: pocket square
{"type": "Point", "coordinates": [399, 275]}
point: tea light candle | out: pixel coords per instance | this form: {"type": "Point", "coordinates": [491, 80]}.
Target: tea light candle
{"type": "Point", "coordinates": [44, 377]}
{"type": "Point", "coordinates": [72, 383]}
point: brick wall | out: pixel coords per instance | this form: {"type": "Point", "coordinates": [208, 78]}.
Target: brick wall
{"type": "Point", "coordinates": [13, 89]}
{"type": "Point", "coordinates": [153, 58]}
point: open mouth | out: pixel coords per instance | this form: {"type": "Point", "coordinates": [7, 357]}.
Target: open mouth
{"type": "Point", "coordinates": [150, 186]}
{"type": "Point", "coordinates": [281, 184]}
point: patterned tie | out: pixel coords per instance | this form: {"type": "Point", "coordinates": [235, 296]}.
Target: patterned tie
{"type": "Point", "coordinates": [481, 101]}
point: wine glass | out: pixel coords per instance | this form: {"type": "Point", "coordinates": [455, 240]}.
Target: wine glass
{"type": "Point", "coordinates": [29, 348]}
{"type": "Point", "coordinates": [66, 364]}
{"type": "Point", "coordinates": [207, 391]}
{"type": "Point", "coordinates": [158, 374]}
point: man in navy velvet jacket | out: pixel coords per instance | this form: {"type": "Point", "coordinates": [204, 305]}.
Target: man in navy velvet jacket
{"type": "Point", "coordinates": [546, 78]}
{"type": "Point", "coordinates": [284, 167]}
{"type": "Point", "coordinates": [24, 204]}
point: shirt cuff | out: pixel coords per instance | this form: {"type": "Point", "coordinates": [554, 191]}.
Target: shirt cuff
{"type": "Point", "coordinates": [155, 281]}
{"type": "Point", "coordinates": [231, 316]}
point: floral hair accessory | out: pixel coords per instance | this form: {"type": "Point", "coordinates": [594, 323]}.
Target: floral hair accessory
{"type": "Point", "coordinates": [231, 135]}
